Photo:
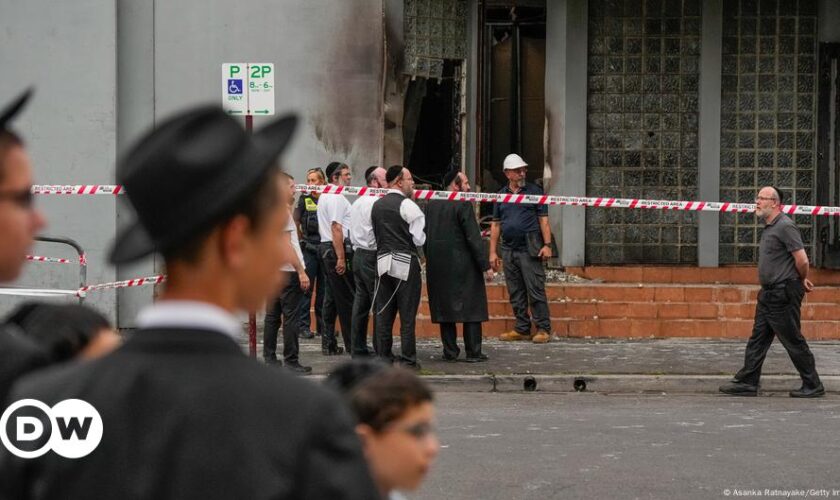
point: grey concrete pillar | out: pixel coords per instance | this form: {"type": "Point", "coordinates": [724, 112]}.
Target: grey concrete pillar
{"type": "Point", "coordinates": [829, 21]}
{"type": "Point", "coordinates": [565, 108]}
{"type": "Point", "coordinates": [136, 105]}
{"type": "Point", "coordinates": [708, 177]}
{"type": "Point", "coordinates": [471, 133]}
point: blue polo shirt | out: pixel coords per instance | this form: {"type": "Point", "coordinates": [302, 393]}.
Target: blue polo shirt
{"type": "Point", "coordinates": [518, 220]}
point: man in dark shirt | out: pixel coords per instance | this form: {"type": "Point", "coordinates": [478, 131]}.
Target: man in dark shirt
{"type": "Point", "coordinates": [783, 273]}
{"type": "Point", "coordinates": [526, 242]}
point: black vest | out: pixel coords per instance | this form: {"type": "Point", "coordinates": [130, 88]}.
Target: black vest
{"type": "Point", "coordinates": [389, 228]}
{"type": "Point", "coordinates": [309, 219]}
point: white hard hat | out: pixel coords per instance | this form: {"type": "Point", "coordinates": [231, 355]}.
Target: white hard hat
{"type": "Point", "coordinates": [513, 161]}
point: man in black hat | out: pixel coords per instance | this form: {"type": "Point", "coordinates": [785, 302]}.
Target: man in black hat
{"type": "Point", "coordinates": [20, 221]}
{"type": "Point", "coordinates": [398, 224]}
{"type": "Point", "coordinates": [456, 266]}
{"type": "Point", "coordinates": [185, 413]}
{"type": "Point", "coordinates": [364, 261]}
{"type": "Point", "coordinates": [336, 255]}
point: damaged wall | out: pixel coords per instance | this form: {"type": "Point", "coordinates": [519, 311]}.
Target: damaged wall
{"type": "Point", "coordinates": [328, 57]}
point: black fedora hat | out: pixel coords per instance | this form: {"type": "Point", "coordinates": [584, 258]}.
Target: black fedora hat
{"type": "Point", "coordinates": [14, 107]}
{"type": "Point", "coordinates": [188, 173]}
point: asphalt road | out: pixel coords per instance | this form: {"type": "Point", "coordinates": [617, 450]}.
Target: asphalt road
{"type": "Point", "coordinates": [545, 446]}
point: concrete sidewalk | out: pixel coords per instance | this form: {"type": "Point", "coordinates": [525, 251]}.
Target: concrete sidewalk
{"type": "Point", "coordinates": [666, 365]}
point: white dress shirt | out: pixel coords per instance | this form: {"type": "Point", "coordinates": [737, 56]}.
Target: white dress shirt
{"type": "Point", "coordinates": [190, 314]}
{"type": "Point", "coordinates": [332, 208]}
{"type": "Point", "coordinates": [361, 226]}
{"type": "Point", "coordinates": [295, 241]}
{"type": "Point", "coordinates": [416, 219]}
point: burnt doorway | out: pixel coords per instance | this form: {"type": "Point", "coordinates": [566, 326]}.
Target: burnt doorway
{"type": "Point", "coordinates": [432, 125]}
{"type": "Point", "coordinates": [513, 90]}
{"type": "Point", "coordinates": [828, 154]}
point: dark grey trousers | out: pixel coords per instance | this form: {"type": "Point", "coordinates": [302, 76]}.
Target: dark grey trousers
{"type": "Point", "coordinates": [394, 296]}
{"type": "Point", "coordinates": [472, 339]}
{"type": "Point", "coordinates": [525, 278]}
{"type": "Point", "coordinates": [364, 273]}
{"type": "Point", "coordinates": [777, 313]}
{"type": "Point", "coordinates": [341, 291]}
{"type": "Point", "coordinates": [283, 310]}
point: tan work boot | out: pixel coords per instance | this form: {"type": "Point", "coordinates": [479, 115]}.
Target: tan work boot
{"type": "Point", "coordinates": [514, 336]}
{"type": "Point", "coordinates": [542, 337]}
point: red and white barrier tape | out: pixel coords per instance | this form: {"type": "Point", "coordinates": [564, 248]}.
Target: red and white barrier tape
{"type": "Point", "coordinates": [426, 194]}
{"type": "Point", "coordinates": [54, 260]}
{"type": "Point", "coordinates": [150, 280]}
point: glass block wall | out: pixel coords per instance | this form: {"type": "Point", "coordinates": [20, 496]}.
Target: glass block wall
{"type": "Point", "coordinates": [643, 71]}
{"type": "Point", "coordinates": [768, 113]}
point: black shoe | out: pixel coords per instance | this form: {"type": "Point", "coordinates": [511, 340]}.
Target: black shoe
{"type": "Point", "coordinates": [411, 366]}
{"type": "Point", "coordinates": [306, 334]}
{"type": "Point", "coordinates": [802, 392]}
{"type": "Point", "coordinates": [272, 362]}
{"type": "Point", "coordinates": [298, 368]}
{"type": "Point", "coordinates": [448, 358]}
{"type": "Point", "coordinates": [335, 351]}
{"type": "Point", "coordinates": [481, 358]}
{"type": "Point", "coordinates": [739, 389]}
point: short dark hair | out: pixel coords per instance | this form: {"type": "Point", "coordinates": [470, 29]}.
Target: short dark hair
{"type": "Point", "coordinates": [334, 168]}
{"type": "Point", "coordinates": [379, 394]}
{"type": "Point", "coordinates": [394, 173]}
{"type": "Point", "coordinates": [254, 204]}
{"type": "Point", "coordinates": [62, 330]}
{"type": "Point", "coordinates": [450, 176]}
{"type": "Point", "coordinates": [8, 140]}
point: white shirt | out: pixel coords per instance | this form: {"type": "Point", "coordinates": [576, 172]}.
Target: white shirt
{"type": "Point", "coordinates": [295, 241]}
{"type": "Point", "coordinates": [416, 219]}
{"type": "Point", "coordinates": [361, 226]}
{"type": "Point", "coordinates": [332, 208]}
{"type": "Point", "coordinates": [190, 314]}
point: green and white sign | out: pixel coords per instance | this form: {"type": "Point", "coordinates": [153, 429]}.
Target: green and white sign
{"type": "Point", "coordinates": [248, 88]}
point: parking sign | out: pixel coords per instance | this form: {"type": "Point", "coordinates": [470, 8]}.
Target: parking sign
{"type": "Point", "coordinates": [248, 88]}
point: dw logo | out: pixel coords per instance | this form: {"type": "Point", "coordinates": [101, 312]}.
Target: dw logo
{"type": "Point", "coordinates": [72, 428]}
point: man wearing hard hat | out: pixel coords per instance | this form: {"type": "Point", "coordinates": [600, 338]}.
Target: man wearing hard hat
{"type": "Point", "coordinates": [526, 244]}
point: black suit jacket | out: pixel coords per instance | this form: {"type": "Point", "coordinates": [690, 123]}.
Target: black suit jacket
{"type": "Point", "coordinates": [187, 415]}
{"type": "Point", "coordinates": [18, 355]}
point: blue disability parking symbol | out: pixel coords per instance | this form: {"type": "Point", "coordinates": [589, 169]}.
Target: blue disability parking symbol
{"type": "Point", "coordinates": [235, 86]}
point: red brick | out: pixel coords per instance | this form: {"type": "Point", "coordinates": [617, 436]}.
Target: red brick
{"type": "Point", "coordinates": [703, 311]}
{"type": "Point", "coordinates": [612, 310]}
{"type": "Point", "coordinates": [657, 275]}
{"type": "Point", "coordinates": [825, 294]}
{"type": "Point", "coordinates": [499, 308]}
{"type": "Point", "coordinates": [737, 311]}
{"type": "Point", "coordinates": [554, 292]}
{"type": "Point", "coordinates": [737, 329]}
{"type": "Point", "coordinates": [580, 292]}
{"type": "Point", "coordinates": [623, 293]}
{"type": "Point", "coordinates": [743, 275]}
{"type": "Point", "coordinates": [560, 328]}
{"type": "Point", "coordinates": [669, 294]}
{"type": "Point", "coordinates": [496, 292]}
{"type": "Point", "coordinates": [581, 310]}
{"type": "Point", "coordinates": [675, 310]}
{"type": "Point", "coordinates": [614, 328]}
{"type": "Point", "coordinates": [699, 294]}
{"type": "Point", "coordinates": [730, 295]}
{"type": "Point", "coordinates": [642, 310]}
{"type": "Point", "coordinates": [690, 275]}
{"type": "Point", "coordinates": [645, 328]}
{"type": "Point", "coordinates": [677, 328]}
{"type": "Point", "coordinates": [709, 328]}
{"type": "Point", "coordinates": [824, 277]}
{"type": "Point", "coordinates": [583, 328]}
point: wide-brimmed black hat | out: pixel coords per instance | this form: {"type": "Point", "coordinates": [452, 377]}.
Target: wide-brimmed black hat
{"type": "Point", "coordinates": [188, 174]}
{"type": "Point", "coordinates": [13, 108]}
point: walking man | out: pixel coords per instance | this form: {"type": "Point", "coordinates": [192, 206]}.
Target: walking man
{"type": "Point", "coordinates": [398, 225]}
{"type": "Point", "coordinates": [336, 255]}
{"type": "Point", "coordinates": [526, 243]}
{"type": "Point", "coordinates": [456, 267]}
{"type": "Point", "coordinates": [185, 413]}
{"type": "Point", "coordinates": [364, 261]}
{"type": "Point", "coordinates": [285, 308]}
{"type": "Point", "coordinates": [783, 274]}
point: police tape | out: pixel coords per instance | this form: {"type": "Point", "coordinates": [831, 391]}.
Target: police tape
{"type": "Point", "coordinates": [427, 194]}
{"type": "Point", "coordinates": [149, 280]}
{"type": "Point", "coordinates": [54, 260]}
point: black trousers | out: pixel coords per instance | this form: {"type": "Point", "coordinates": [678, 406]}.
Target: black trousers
{"type": "Point", "coordinates": [525, 279]}
{"type": "Point", "coordinates": [364, 274]}
{"type": "Point", "coordinates": [342, 290]}
{"type": "Point", "coordinates": [317, 286]}
{"type": "Point", "coordinates": [778, 313]}
{"type": "Point", "coordinates": [472, 339]}
{"type": "Point", "coordinates": [283, 311]}
{"type": "Point", "coordinates": [394, 296]}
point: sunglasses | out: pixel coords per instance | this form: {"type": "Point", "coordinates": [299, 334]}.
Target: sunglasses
{"type": "Point", "coordinates": [23, 198]}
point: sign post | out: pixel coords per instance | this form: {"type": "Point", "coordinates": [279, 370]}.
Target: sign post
{"type": "Point", "coordinates": [248, 89]}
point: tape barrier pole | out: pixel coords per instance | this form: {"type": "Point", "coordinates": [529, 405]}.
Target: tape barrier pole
{"type": "Point", "coordinates": [424, 194]}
